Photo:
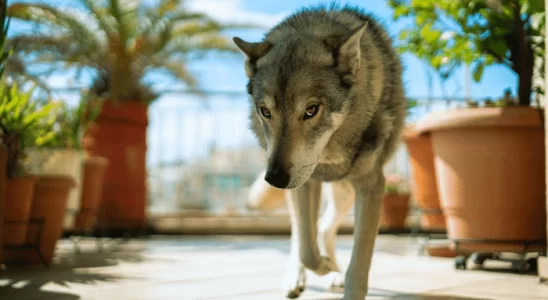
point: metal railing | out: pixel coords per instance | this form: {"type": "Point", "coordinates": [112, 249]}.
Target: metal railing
{"type": "Point", "coordinates": [203, 156]}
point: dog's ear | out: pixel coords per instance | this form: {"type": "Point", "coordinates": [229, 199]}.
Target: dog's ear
{"type": "Point", "coordinates": [348, 52]}
{"type": "Point", "coordinates": [252, 51]}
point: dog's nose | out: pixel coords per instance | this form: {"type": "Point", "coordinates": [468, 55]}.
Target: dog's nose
{"type": "Point", "coordinates": [277, 177]}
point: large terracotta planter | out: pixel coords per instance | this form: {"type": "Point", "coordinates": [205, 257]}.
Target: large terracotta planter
{"type": "Point", "coordinates": [50, 201]}
{"type": "Point", "coordinates": [394, 210]}
{"type": "Point", "coordinates": [490, 168]}
{"type": "Point", "coordinates": [3, 179]}
{"type": "Point", "coordinates": [120, 136]}
{"type": "Point", "coordinates": [60, 162]}
{"type": "Point", "coordinates": [92, 189]}
{"type": "Point", "coordinates": [17, 207]}
{"type": "Point", "coordinates": [423, 175]}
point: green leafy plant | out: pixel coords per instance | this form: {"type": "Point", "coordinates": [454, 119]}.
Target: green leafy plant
{"type": "Point", "coordinates": [448, 33]}
{"type": "Point", "coordinates": [395, 184]}
{"type": "Point", "coordinates": [71, 123]}
{"type": "Point", "coordinates": [24, 123]}
{"type": "Point", "coordinates": [411, 103]}
{"type": "Point", "coordinates": [121, 40]}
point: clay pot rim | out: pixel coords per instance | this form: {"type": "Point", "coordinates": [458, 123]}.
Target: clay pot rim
{"type": "Point", "coordinates": [97, 160]}
{"type": "Point", "coordinates": [24, 177]}
{"type": "Point", "coordinates": [55, 179]}
{"type": "Point", "coordinates": [56, 149]}
{"type": "Point", "coordinates": [410, 132]}
{"type": "Point", "coordinates": [512, 116]}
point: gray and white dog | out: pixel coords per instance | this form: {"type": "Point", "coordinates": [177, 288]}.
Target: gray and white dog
{"type": "Point", "coordinates": [328, 107]}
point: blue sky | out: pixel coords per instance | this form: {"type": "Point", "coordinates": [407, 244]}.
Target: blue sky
{"type": "Point", "coordinates": [226, 72]}
{"type": "Point", "coordinates": [495, 79]}
{"type": "Point", "coordinates": [190, 129]}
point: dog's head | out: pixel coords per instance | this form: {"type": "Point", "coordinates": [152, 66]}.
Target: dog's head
{"type": "Point", "coordinates": [298, 89]}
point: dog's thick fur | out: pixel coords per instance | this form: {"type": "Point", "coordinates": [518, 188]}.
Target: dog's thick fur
{"type": "Point", "coordinates": [328, 107]}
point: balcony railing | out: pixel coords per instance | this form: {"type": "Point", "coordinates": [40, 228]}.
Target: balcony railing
{"type": "Point", "coordinates": [202, 156]}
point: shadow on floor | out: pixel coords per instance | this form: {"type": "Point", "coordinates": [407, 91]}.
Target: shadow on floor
{"type": "Point", "coordinates": [386, 294]}
{"type": "Point", "coordinates": [38, 282]}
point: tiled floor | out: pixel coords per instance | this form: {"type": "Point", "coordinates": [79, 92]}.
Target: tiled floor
{"type": "Point", "coordinates": [189, 267]}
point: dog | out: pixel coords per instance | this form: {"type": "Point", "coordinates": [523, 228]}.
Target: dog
{"type": "Point", "coordinates": [328, 107]}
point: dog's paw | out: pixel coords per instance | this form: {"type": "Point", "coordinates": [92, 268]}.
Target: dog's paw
{"type": "Point", "coordinates": [326, 266]}
{"type": "Point", "coordinates": [294, 283]}
{"type": "Point", "coordinates": [338, 282]}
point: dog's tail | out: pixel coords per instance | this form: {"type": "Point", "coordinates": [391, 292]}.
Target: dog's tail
{"type": "Point", "coordinates": [263, 196]}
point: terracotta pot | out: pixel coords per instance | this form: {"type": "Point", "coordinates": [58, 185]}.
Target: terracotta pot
{"type": "Point", "coordinates": [423, 175]}
{"type": "Point", "coordinates": [490, 168]}
{"type": "Point", "coordinates": [17, 207]}
{"type": "Point", "coordinates": [394, 210]}
{"type": "Point", "coordinates": [60, 161]}
{"type": "Point", "coordinates": [3, 179]}
{"type": "Point", "coordinates": [50, 201]}
{"type": "Point", "coordinates": [120, 136]}
{"type": "Point", "coordinates": [92, 188]}
{"type": "Point", "coordinates": [440, 250]}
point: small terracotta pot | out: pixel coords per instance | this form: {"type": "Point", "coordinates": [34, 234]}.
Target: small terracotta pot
{"type": "Point", "coordinates": [423, 175]}
{"type": "Point", "coordinates": [18, 202]}
{"type": "Point", "coordinates": [50, 202]}
{"type": "Point", "coordinates": [92, 188]}
{"type": "Point", "coordinates": [3, 179]}
{"type": "Point", "coordinates": [490, 165]}
{"type": "Point", "coordinates": [394, 210]}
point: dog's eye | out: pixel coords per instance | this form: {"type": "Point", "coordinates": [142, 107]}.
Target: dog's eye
{"type": "Point", "coordinates": [311, 111]}
{"type": "Point", "coordinates": [265, 112]}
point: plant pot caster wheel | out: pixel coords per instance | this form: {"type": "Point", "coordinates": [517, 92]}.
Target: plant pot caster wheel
{"type": "Point", "coordinates": [522, 266]}
{"type": "Point", "coordinates": [460, 262]}
{"type": "Point", "coordinates": [479, 258]}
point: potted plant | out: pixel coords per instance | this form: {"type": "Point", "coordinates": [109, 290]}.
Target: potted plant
{"type": "Point", "coordinates": [489, 160]}
{"type": "Point", "coordinates": [77, 121]}
{"type": "Point", "coordinates": [63, 155]}
{"type": "Point", "coordinates": [23, 123]}
{"type": "Point", "coordinates": [395, 203]}
{"type": "Point", "coordinates": [4, 21]}
{"type": "Point", "coordinates": [423, 176]}
{"type": "Point", "coordinates": [145, 39]}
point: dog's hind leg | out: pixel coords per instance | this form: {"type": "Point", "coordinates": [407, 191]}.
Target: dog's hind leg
{"type": "Point", "coordinates": [367, 215]}
{"type": "Point", "coordinates": [340, 196]}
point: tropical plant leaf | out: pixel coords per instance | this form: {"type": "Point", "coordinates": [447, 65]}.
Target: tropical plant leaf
{"type": "Point", "coordinates": [122, 40]}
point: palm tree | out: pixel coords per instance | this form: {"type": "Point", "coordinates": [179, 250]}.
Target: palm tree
{"type": "Point", "coordinates": [121, 40]}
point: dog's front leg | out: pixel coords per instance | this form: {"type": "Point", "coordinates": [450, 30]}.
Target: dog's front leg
{"type": "Point", "coordinates": [305, 202]}
{"type": "Point", "coordinates": [367, 215]}
{"type": "Point", "coordinates": [295, 276]}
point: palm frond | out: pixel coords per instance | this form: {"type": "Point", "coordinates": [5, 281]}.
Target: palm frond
{"type": "Point", "coordinates": [47, 49]}
{"type": "Point", "coordinates": [177, 70]}
{"type": "Point", "coordinates": [101, 15]}
{"type": "Point", "coordinates": [56, 18]}
{"type": "Point", "coordinates": [125, 12]}
{"type": "Point", "coordinates": [157, 28]}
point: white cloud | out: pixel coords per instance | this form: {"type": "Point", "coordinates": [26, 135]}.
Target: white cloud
{"type": "Point", "coordinates": [232, 11]}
